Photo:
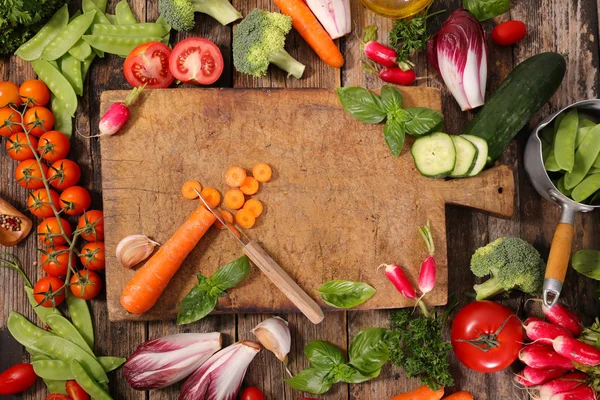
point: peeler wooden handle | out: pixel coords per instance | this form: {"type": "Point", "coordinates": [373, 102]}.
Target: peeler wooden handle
{"type": "Point", "coordinates": [284, 282]}
{"type": "Point", "coordinates": [558, 262]}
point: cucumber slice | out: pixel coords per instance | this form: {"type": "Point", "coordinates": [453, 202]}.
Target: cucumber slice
{"type": "Point", "coordinates": [482, 156]}
{"type": "Point", "coordinates": [466, 156]}
{"type": "Point", "coordinates": [434, 155]}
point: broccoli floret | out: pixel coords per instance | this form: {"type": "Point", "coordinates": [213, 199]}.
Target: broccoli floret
{"type": "Point", "coordinates": [180, 13]}
{"type": "Point", "coordinates": [259, 40]}
{"type": "Point", "coordinates": [512, 263]}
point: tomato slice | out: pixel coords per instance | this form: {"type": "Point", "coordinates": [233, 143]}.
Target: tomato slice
{"type": "Point", "coordinates": [149, 63]}
{"type": "Point", "coordinates": [196, 60]}
{"type": "Point", "coordinates": [75, 391]}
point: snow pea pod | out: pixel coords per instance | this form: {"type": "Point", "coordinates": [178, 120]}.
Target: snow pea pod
{"type": "Point", "coordinates": [586, 123]}
{"type": "Point", "coordinates": [584, 158]}
{"type": "Point", "coordinates": [38, 357]}
{"type": "Point", "coordinates": [64, 350]}
{"type": "Point", "coordinates": [75, 15]}
{"type": "Point", "coordinates": [54, 370]}
{"type": "Point", "coordinates": [121, 46]}
{"type": "Point", "coordinates": [564, 142]}
{"type": "Point", "coordinates": [68, 36]}
{"type": "Point", "coordinates": [124, 14]}
{"type": "Point", "coordinates": [112, 18]}
{"type": "Point", "coordinates": [586, 188]}
{"type": "Point", "coordinates": [137, 30]}
{"type": "Point", "coordinates": [59, 387]}
{"type": "Point", "coordinates": [63, 328]}
{"type": "Point", "coordinates": [101, 4]}
{"type": "Point", "coordinates": [87, 382]}
{"type": "Point", "coordinates": [560, 185]}
{"type": "Point", "coordinates": [80, 50]}
{"type": "Point", "coordinates": [62, 120]}
{"type": "Point", "coordinates": [81, 318]}
{"type": "Point", "coordinates": [42, 312]}
{"type": "Point", "coordinates": [58, 84]}
{"type": "Point", "coordinates": [32, 49]}
{"type": "Point", "coordinates": [582, 132]}
{"type": "Point", "coordinates": [27, 333]}
{"type": "Point", "coordinates": [100, 17]}
{"type": "Point", "coordinates": [71, 70]}
{"type": "Point", "coordinates": [111, 363]}
{"type": "Point", "coordinates": [86, 64]}
{"type": "Point", "coordinates": [597, 162]}
{"type": "Point", "coordinates": [550, 162]}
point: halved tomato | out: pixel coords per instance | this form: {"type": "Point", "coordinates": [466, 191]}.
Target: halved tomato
{"type": "Point", "coordinates": [149, 63]}
{"type": "Point", "coordinates": [196, 60]}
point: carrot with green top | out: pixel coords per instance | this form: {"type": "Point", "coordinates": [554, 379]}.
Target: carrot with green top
{"type": "Point", "coordinates": [149, 282]}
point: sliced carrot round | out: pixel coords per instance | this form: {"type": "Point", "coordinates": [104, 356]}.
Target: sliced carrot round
{"type": "Point", "coordinates": [189, 188]}
{"type": "Point", "coordinates": [245, 218]}
{"type": "Point", "coordinates": [254, 206]}
{"type": "Point", "coordinates": [262, 172]}
{"type": "Point", "coordinates": [249, 186]}
{"type": "Point", "coordinates": [235, 176]}
{"type": "Point", "coordinates": [212, 196]}
{"type": "Point", "coordinates": [234, 199]}
{"type": "Point", "coordinates": [225, 216]}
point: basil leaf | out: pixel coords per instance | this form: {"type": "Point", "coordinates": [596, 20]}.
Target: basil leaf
{"type": "Point", "coordinates": [230, 275]}
{"type": "Point", "coordinates": [345, 294]}
{"type": "Point", "coordinates": [486, 9]}
{"type": "Point", "coordinates": [362, 104]}
{"type": "Point", "coordinates": [369, 350]}
{"type": "Point", "coordinates": [198, 303]}
{"type": "Point", "coordinates": [423, 121]}
{"type": "Point", "coordinates": [391, 98]}
{"type": "Point", "coordinates": [312, 380]}
{"type": "Point", "coordinates": [393, 133]}
{"type": "Point", "coordinates": [587, 263]}
{"type": "Point", "coordinates": [349, 374]}
{"type": "Point", "coordinates": [323, 354]}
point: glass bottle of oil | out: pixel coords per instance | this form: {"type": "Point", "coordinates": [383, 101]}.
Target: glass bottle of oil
{"type": "Point", "coordinates": [396, 8]}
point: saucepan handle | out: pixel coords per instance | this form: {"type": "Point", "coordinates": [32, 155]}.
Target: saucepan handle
{"type": "Point", "coordinates": [558, 262]}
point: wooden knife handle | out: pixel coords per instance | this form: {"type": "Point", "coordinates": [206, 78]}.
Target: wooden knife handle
{"type": "Point", "coordinates": [283, 281]}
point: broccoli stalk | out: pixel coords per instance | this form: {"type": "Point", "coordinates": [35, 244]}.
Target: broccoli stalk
{"type": "Point", "coordinates": [180, 13]}
{"type": "Point", "coordinates": [221, 10]}
{"type": "Point", "coordinates": [287, 63]}
{"type": "Point", "coordinates": [489, 288]}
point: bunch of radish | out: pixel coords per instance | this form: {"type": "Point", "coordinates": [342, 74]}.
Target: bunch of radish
{"type": "Point", "coordinates": [393, 70]}
{"type": "Point", "coordinates": [554, 355]}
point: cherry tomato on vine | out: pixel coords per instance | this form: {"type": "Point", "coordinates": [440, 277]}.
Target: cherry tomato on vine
{"type": "Point", "coordinates": [57, 396]}
{"type": "Point", "coordinates": [38, 120]}
{"type": "Point", "coordinates": [9, 94]}
{"type": "Point", "coordinates": [196, 60]}
{"type": "Point", "coordinates": [86, 284]}
{"type": "Point", "coordinates": [252, 393]}
{"type": "Point", "coordinates": [29, 175]}
{"type": "Point", "coordinates": [63, 174]}
{"type": "Point", "coordinates": [149, 63]}
{"type": "Point", "coordinates": [53, 146]}
{"type": "Point", "coordinates": [17, 379]}
{"type": "Point", "coordinates": [55, 260]}
{"type": "Point", "coordinates": [40, 205]}
{"type": "Point", "coordinates": [75, 200]}
{"type": "Point", "coordinates": [91, 224]}
{"type": "Point", "coordinates": [486, 336]}
{"type": "Point", "coordinates": [49, 231]}
{"type": "Point", "coordinates": [18, 148]}
{"type": "Point", "coordinates": [509, 32]}
{"type": "Point", "coordinates": [34, 93]}
{"type": "Point", "coordinates": [10, 122]}
{"type": "Point", "coordinates": [75, 391]}
{"type": "Point", "coordinates": [92, 256]}
{"type": "Point", "coordinates": [49, 292]}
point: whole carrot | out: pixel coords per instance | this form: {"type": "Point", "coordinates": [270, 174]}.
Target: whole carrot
{"type": "Point", "coordinates": [421, 393]}
{"type": "Point", "coordinates": [311, 30]}
{"type": "Point", "coordinates": [147, 285]}
{"type": "Point", "coordinates": [462, 395]}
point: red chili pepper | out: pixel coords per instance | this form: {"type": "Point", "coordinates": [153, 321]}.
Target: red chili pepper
{"type": "Point", "coordinates": [397, 76]}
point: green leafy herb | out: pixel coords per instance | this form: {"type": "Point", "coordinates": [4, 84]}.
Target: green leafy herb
{"type": "Point", "coordinates": [394, 133]}
{"type": "Point", "coordinates": [587, 263]}
{"type": "Point", "coordinates": [312, 380]}
{"type": "Point", "coordinates": [202, 299]}
{"type": "Point", "coordinates": [486, 9]}
{"type": "Point", "coordinates": [345, 294]}
{"type": "Point", "coordinates": [423, 121]}
{"type": "Point", "coordinates": [323, 354]}
{"type": "Point", "coordinates": [369, 350]}
{"type": "Point", "coordinates": [391, 99]}
{"type": "Point", "coordinates": [362, 104]}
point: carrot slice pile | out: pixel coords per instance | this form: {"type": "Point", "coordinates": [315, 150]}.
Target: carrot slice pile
{"type": "Point", "coordinates": [235, 176]}
{"type": "Point", "coordinates": [254, 206]}
{"type": "Point", "coordinates": [249, 186]}
{"type": "Point", "coordinates": [189, 188]}
{"type": "Point", "coordinates": [234, 199]}
{"type": "Point", "coordinates": [245, 218]}
{"type": "Point", "coordinates": [262, 172]}
{"type": "Point", "coordinates": [226, 216]}
{"type": "Point", "coordinates": [211, 196]}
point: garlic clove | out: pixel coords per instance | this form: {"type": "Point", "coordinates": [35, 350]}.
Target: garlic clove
{"type": "Point", "coordinates": [274, 335]}
{"type": "Point", "coordinates": [134, 249]}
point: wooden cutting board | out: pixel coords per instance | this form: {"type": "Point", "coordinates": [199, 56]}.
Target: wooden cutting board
{"type": "Point", "coordinates": [338, 206]}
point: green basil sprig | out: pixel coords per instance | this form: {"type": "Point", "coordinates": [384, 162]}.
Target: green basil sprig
{"type": "Point", "coordinates": [587, 263]}
{"type": "Point", "coordinates": [345, 294]}
{"type": "Point", "coordinates": [202, 299]}
{"type": "Point", "coordinates": [486, 9]}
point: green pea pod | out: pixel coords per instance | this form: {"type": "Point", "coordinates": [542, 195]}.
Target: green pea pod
{"type": "Point", "coordinates": [54, 370]}
{"type": "Point", "coordinates": [68, 36]}
{"type": "Point", "coordinates": [124, 14]}
{"type": "Point", "coordinates": [597, 163]}
{"type": "Point", "coordinates": [163, 21]}
{"type": "Point", "coordinates": [586, 123]}
{"type": "Point", "coordinates": [112, 18]}
{"type": "Point", "coordinates": [86, 64]}
{"type": "Point", "coordinates": [137, 30]}
{"type": "Point", "coordinates": [38, 357]}
{"type": "Point", "coordinates": [58, 84]}
{"type": "Point", "coordinates": [42, 312]}
{"type": "Point", "coordinates": [59, 387]}
{"type": "Point", "coordinates": [111, 363]}
{"type": "Point", "coordinates": [101, 4]}
{"type": "Point", "coordinates": [33, 48]}
{"type": "Point", "coordinates": [63, 122]}
{"type": "Point", "coordinates": [80, 50]}
{"type": "Point", "coordinates": [63, 328]}
{"type": "Point", "coordinates": [166, 39]}
{"type": "Point", "coordinates": [564, 142]}
{"type": "Point", "coordinates": [70, 67]}
{"type": "Point", "coordinates": [100, 17]}
{"type": "Point", "coordinates": [87, 383]}
{"type": "Point", "coordinates": [586, 188]}
{"type": "Point", "coordinates": [120, 46]}
{"type": "Point", "coordinates": [584, 158]}
{"type": "Point", "coordinates": [27, 333]}
{"type": "Point", "coordinates": [97, 52]}
{"type": "Point", "coordinates": [560, 185]}
{"type": "Point", "coordinates": [81, 318]}
{"type": "Point", "coordinates": [64, 350]}
{"type": "Point", "coordinates": [75, 15]}
{"type": "Point", "coordinates": [581, 134]}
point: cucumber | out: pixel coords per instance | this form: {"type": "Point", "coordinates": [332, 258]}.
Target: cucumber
{"type": "Point", "coordinates": [434, 155]}
{"type": "Point", "coordinates": [524, 91]}
{"type": "Point", "coordinates": [482, 156]}
{"type": "Point", "coordinates": [466, 155]}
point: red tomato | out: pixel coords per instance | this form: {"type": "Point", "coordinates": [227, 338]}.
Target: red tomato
{"type": "Point", "coordinates": [49, 231]}
{"type": "Point", "coordinates": [64, 174]}
{"type": "Point", "coordinates": [18, 148]}
{"type": "Point", "coordinates": [92, 256]}
{"type": "Point", "coordinates": [484, 320]}
{"type": "Point", "coordinates": [9, 94]}
{"type": "Point", "coordinates": [509, 32]}
{"type": "Point", "coordinates": [38, 120]}
{"type": "Point", "coordinates": [57, 396]}
{"type": "Point", "coordinates": [10, 122]}
{"type": "Point", "coordinates": [53, 146]}
{"type": "Point", "coordinates": [29, 176]}
{"type": "Point", "coordinates": [17, 379]}
{"type": "Point", "coordinates": [86, 284]}
{"type": "Point", "coordinates": [75, 391]}
{"type": "Point", "coordinates": [149, 63]}
{"type": "Point", "coordinates": [75, 200]}
{"type": "Point", "coordinates": [34, 93]}
{"type": "Point", "coordinates": [196, 60]}
{"type": "Point", "coordinates": [55, 260]}
{"type": "Point", "coordinates": [49, 292]}
{"type": "Point", "coordinates": [252, 393]}
{"type": "Point", "coordinates": [39, 205]}
{"type": "Point", "coordinates": [91, 224]}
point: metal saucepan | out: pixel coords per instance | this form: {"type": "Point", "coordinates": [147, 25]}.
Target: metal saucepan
{"type": "Point", "coordinates": [560, 250]}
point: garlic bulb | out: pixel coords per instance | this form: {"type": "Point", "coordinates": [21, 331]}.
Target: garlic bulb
{"type": "Point", "coordinates": [274, 335]}
{"type": "Point", "coordinates": [134, 249]}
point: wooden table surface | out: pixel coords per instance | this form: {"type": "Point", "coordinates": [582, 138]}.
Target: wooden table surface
{"type": "Point", "coordinates": [554, 25]}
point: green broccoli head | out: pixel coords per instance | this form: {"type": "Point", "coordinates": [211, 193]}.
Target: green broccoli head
{"type": "Point", "coordinates": [512, 263]}
{"type": "Point", "coordinates": [259, 40]}
{"type": "Point", "coordinates": [178, 13]}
